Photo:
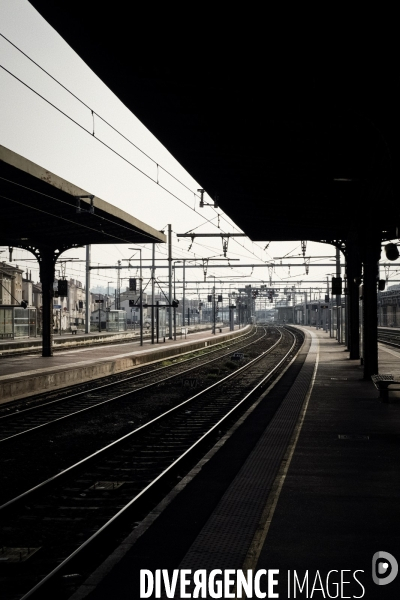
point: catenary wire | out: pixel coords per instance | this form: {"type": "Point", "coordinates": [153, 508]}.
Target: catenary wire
{"type": "Point", "coordinates": [119, 133]}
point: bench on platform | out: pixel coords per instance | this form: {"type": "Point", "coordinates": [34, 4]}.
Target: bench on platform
{"type": "Point", "coordinates": [74, 329]}
{"type": "Point", "coordinates": [382, 383]}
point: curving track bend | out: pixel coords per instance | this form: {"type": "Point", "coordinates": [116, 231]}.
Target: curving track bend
{"type": "Point", "coordinates": [56, 523]}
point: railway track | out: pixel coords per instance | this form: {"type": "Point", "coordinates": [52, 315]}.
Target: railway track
{"type": "Point", "coordinates": [26, 418]}
{"type": "Point", "coordinates": [114, 412]}
{"type": "Point", "coordinates": [55, 524]}
{"type": "Point", "coordinates": [389, 336]}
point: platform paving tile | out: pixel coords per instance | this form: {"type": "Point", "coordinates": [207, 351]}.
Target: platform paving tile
{"type": "Point", "coordinates": [234, 521]}
{"type": "Point", "coordinates": [340, 500]}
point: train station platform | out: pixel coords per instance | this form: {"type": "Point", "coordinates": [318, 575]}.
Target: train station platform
{"type": "Point", "coordinates": [23, 376]}
{"type": "Point", "coordinates": [305, 492]}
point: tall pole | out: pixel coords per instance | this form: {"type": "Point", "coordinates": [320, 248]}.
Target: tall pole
{"type": "Point", "coordinates": [174, 307]}
{"type": "Point", "coordinates": [222, 306]}
{"type": "Point", "coordinates": [157, 320]}
{"type": "Point", "coordinates": [338, 300]}
{"type": "Point", "coordinates": [353, 282]}
{"type": "Point", "coordinates": [108, 294]}
{"type": "Point", "coordinates": [99, 304]}
{"type": "Point", "coordinates": [170, 281]}
{"type": "Point", "coordinates": [141, 300]}
{"type": "Point", "coordinates": [183, 295]}
{"type": "Point", "coordinates": [87, 295]}
{"type": "Point", "coordinates": [305, 309]}
{"type": "Point", "coordinates": [371, 252]}
{"type": "Point", "coordinates": [214, 311]}
{"type": "Point", "coordinates": [153, 268]}
{"type": "Point", "coordinates": [118, 287]}
{"type": "Point", "coordinates": [294, 305]}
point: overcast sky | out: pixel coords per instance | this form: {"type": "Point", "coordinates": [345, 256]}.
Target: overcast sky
{"type": "Point", "coordinates": [36, 130]}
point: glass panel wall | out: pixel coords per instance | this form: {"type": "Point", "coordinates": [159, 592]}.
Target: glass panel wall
{"type": "Point", "coordinates": [6, 322]}
{"type": "Point", "coordinates": [17, 322]}
{"type": "Point", "coordinates": [21, 322]}
{"type": "Point", "coordinates": [116, 320]}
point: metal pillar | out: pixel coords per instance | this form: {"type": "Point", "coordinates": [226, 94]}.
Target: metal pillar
{"type": "Point", "coordinates": [174, 306]}
{"type": "Point", "coordinates": [46, 264]}
{"type": "Point", "coordinates": [141, 301]}
{"type": "Point", "coordinates": [87, 307]}
{"type": "Point", "coordinates": [99, 304]}
{"type": "Point", "coordinates": [152, 292]}
{"type": "Point", "coordinates": [305, 309]}
{"type": "Point", "coordinates": [338, 301]}
{"type": "Point", "coordinates": [118, 287]}
{"type": "Point", "coordinates": [170, 281]}
{"type": "Point", "coordinates": [370, 256]}
{"type": "Point", "coordinates": [158, 320]}
{"type": "Point", "coordinates": [214, 308]}
{"type": "Point", "coordinates": [183, 296]}
{"type": "Point", "coordinates": [353, 283]}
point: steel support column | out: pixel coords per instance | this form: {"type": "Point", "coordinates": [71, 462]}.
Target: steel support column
{"type": "Point", "coordinates": [353, 270]}
{"type": "Point", "coordinates": [370, 256]}
{"type": "Point", "coordinates": [170, 281]}
{"type": "Point", "coordinates": [46, 264]}
{"type": "Point", "coordinates": [152, 291]}
{"type": "Point", "coordinates": [87, 291]}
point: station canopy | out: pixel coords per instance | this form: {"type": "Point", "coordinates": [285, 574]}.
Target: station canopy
{"type": "Point", "coordinates": [40, 209]}
{"type": "Point", "coordinates": [295, 145]}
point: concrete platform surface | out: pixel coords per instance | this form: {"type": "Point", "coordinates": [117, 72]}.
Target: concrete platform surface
{"type": "Point", "coordinates": [309, 488]}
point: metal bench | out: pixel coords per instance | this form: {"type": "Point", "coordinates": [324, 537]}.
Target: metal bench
{"type": "Point", "coordinates": [382, 383]}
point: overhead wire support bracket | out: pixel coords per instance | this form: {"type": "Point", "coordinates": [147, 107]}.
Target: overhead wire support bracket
{"type": "Point", "coordinates": [225, 245]}
{"type": "Point", "coordinates": [78, 204]}
{"type": "Point", "coordinates": [202, 203]}
{"type": "Point", "coordinates": [224, 235]}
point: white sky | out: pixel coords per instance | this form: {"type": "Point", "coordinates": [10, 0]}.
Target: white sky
{"type": "Point", "coordinates": [34, 129]}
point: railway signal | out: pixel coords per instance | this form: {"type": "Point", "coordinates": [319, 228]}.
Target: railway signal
{"type": "Point", "coordinates": [62, 288]}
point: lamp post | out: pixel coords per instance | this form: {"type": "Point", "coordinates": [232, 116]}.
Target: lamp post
{"type": "Point", "coordinates": [213, 304]}
{"type": "Point", "coordinates": [108, 293]}
{"type": "Point", "coordinates": [173, 266]}
{"type": "Point", "coordinates": [140, 294]}
{"type": "Point", "coordinates": [100, 303]}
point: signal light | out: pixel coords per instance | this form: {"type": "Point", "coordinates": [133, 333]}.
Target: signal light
{"type": "Point", "coordinates": [336, 286]}
{"type": "Point", "coordinates": [175, 303]}
{"type": "Point", "coordinates": [209, 298]}
{"type": "Point", "coordinates": [391, 251]}
{"type": "Point", "coordinates": [62, 287]}
{"type": "Point", "coordinates": [132, 284]}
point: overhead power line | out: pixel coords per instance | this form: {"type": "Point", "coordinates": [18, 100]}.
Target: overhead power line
{"type": "Point", "coordinates": [93, 112]}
